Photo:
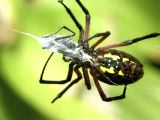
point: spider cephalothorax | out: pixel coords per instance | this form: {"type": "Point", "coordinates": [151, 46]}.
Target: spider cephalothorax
{"type": "Point", "coordinates": [105, 64]}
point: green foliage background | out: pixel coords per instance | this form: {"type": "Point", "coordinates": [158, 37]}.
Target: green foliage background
{"type": "Point", "coordinates": [22, 59]}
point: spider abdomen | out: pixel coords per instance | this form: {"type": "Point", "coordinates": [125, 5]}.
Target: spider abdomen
{"type": "Point", "coordinates": [119, 68]}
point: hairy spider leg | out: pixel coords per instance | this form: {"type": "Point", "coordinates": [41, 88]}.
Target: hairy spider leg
{"type": "Point", "coordinates": [79, 77]}
{"type": "Point", "coordinates": [69, 76]}
{"type": "Point", "coordinates": [81, 30]}
{"type": "Point", "coordinates": [128, 42]}
{"type": "Point", "coordinates": [87, 26]}
{"type": "Point", "coordinates": [101, 92]}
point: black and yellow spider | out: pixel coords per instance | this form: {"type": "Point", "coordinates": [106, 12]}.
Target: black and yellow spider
{"type": "Point", "coordinates": [105, 64]}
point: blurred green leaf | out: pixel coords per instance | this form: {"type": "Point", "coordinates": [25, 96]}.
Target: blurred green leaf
{"type": "Point", "coordinates": [22, 97]}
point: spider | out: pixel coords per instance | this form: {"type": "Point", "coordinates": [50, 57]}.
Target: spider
{"type": "Point", "coordinates": [105, 64]}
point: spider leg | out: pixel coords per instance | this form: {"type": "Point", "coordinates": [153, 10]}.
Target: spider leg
{"type": "Point", "coordinates": [103, 95]}
{"type": "Point", "coordinates": [104, 36]}
{"type": "Point", "coordinates": [86, 76]}
{"type": "Point", "coordinates": [107, 33]}
{"type": "Point", "coordinates": [87, 26]}
{"type": "Point", "coordinates": [79, 76]}
{"type": "Point", "coordinates": [81, 31]}
{"type": "Point", "coordinates": [67, 36]}
{"type": "Point", "coordinates": [69, 76]}
{"type": "Point", "coordinates": [64, 27]}
{"type": "Point", "coordinates": [128, 42]}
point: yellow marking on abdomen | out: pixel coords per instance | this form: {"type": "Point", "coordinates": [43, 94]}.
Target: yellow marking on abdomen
{"type": "Point", "coordinates": [109, 70]}
{"type": "Point", "coordinates": [125, 59]}
{"type": "Point", "coordinates": [120, 73]}
{"type": "Point", "coordinates": [114, 57]}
